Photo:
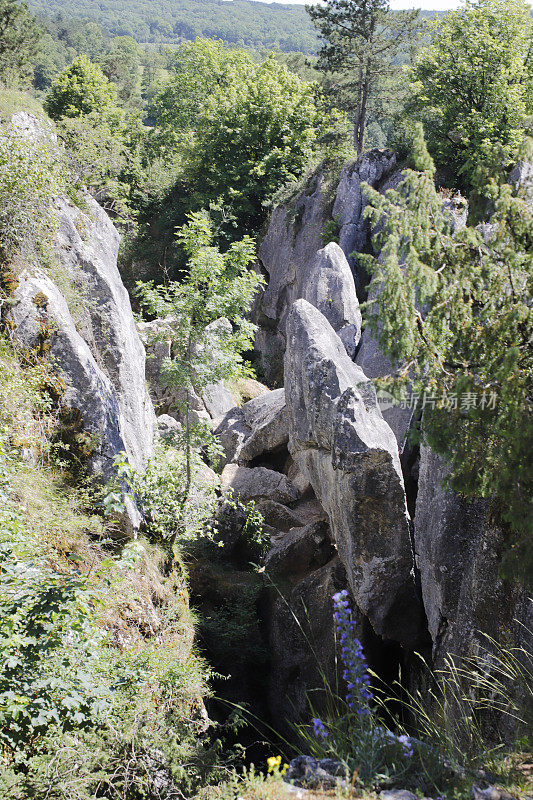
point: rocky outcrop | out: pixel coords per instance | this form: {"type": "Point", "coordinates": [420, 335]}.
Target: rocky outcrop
{"type": "Point", "coordinates": [87, 250]}
{"type": "Point", "coordinates": [85, 323]}
{"type": "Point", "coordinates": [42, 320]}
{"type": "Point", "coordinates": [458, 552]}
{"type": "Point", "coordinates": [375, 364]}
{"type": "Point", "coordinates": [341, 443]}
{"type": "Point", "coordinates": [330, 288]}
{"type": "Point", "coordinates": [297, 265]}
{"type": "Point", "coordinates": [373, 168]}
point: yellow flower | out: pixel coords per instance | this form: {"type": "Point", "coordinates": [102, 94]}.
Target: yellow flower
{"type": "Point", "coordinates": [274, 763]}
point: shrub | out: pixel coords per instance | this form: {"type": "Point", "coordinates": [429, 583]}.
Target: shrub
{"type": "Point", "coordinates": [30, 179]}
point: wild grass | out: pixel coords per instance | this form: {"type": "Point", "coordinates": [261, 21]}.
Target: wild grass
{"type": "Point", "coordinates": [14, 100]}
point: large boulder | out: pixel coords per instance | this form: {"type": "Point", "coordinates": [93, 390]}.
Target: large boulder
{"type": "Point", "coordinates": [342, 444]}
{"type": "Point", "coordinates": [458, 552]}
{"type": "Point", "coordinates": [258, 483]}
{"type": "Point", "coordinates": [258, 428]}
{"type": "Point", "coordinates": [330, 288]}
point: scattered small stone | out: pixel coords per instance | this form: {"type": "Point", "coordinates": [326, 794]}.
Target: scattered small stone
{"type": "Point", "coordinates": [306, 772]}
{"type": "Point", "coordinates": [490, 793]}
{"type": "Point", "coordinates": [397, 794]}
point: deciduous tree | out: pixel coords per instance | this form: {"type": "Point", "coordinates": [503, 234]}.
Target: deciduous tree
{"type": "Point", "coordinates": [473, 84]}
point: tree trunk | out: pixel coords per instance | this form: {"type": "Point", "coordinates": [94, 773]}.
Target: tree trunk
{"type": "Point", "coordinates": [364, 103]}
{"type": "Point", "coordinates": [358, 108]}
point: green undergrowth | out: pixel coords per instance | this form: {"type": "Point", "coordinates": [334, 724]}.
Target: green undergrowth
{"type": "Point", "coordinates": [101, 688]}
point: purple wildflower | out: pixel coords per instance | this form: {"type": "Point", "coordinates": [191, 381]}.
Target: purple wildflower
{"type": "Point", "coordinates": [356, 671]}
{"type": "Point", "coordinates": [319, 729]}
{"type": "Point", "coordinates": [405, 742]}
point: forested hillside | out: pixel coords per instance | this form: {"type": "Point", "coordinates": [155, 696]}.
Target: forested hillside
{"type": "Point", "coordinates": [266, 415]}
{"type": "Point", "coordinates": [241, 22]}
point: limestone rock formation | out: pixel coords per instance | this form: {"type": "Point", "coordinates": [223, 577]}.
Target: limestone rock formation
{"type": "Point", "coordinates": [458, 551]}
{"type": "Point", "coordinates": [87, 327]}
{"type": "Point", "coordinates": [42, 319]}
{"type": "Point", "coordinates": [87, 249]}
{"type": "Point", "coordinates": [342, 444]}
{"type": "Point", "coordinates": [373, 168]}
{"type": "Point", "coordinates": [330, 288]}
{"type": "Point", "coordinates": [288, 256]}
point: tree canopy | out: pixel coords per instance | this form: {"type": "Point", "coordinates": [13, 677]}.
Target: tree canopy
{"type": "Point", "coordinates": [80, 89]}
{"type": "Point", "coordinates": [473, 83]}
{"type": "Point", "coordinates": [19, 37]}
{"type": "Point", "coordinates": [362, 46]}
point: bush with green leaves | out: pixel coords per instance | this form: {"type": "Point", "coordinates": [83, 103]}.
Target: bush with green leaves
{"type": "Point", "coordinates": [159, 490]}
{"type": "Point", "coordinates": [451, 307]}
{"type": "Point", "coordinates": [30, 178]}
{"type": "Point", "coordinates": [82, 88]}
{"type": "Point", "coordinates": [473, 84]}
{"type": "Point", "coordinates": [206, 319]}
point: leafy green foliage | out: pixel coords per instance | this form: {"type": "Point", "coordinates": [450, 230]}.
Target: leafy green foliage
{"type": "Point", "coordinates": [208, 327]}
{"type": "Point", "coordinates": [19, 36]}
{"type": "Point", "coordinates": [82, 88]}
{"type": "Point", "coordinates": [217, 287]}
{"type": "Point", "coordinates": [451, 308]}
{"type": "Point", "coordinates": [241, 129]}
{"type": "Point", "coordinates": [159, 491]}
{"type": "Point", "coordinates": [30, 178]}
{"type": "Point", "coordinates": [473, 84]}
{"type": "Point", "coordinates": [46, 648]}
{"type": "Point", "coordinates": [362, 44]}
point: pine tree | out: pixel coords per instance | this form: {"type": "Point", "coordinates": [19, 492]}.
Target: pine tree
{"type": "Point", "coordinates": [363, 44]}
{"type": "Point", "coordinates": [451, 306]}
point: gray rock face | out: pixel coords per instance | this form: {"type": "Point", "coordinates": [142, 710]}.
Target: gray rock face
{"type": "Point", "coordinates": [349, 454]}
{"type": "Point", "coordinates": [285, 255]}
{"type": "Point", "coordinates": [41, 316]}
{"type": "Point", "coordinates": [330, 288]}
{"type": "Point", "coordinates": [260, 482]}
{"type": "Point", "coordinates": [372, 168]}
{"type": "Point", "coordinates": [300, 551]}
{"type": "Point", "coordinates": [375, 364]}
{"type": "Point", "coordinates": [259, 427]}
{"type": "Point", "coordinates": [87, 248]}
{"type": "Point", "coordinates": [458, 554]}
{"type": "Point", "coordinates": [89, 331]}
{"type": "Point", "coordinates": [288, 256]}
